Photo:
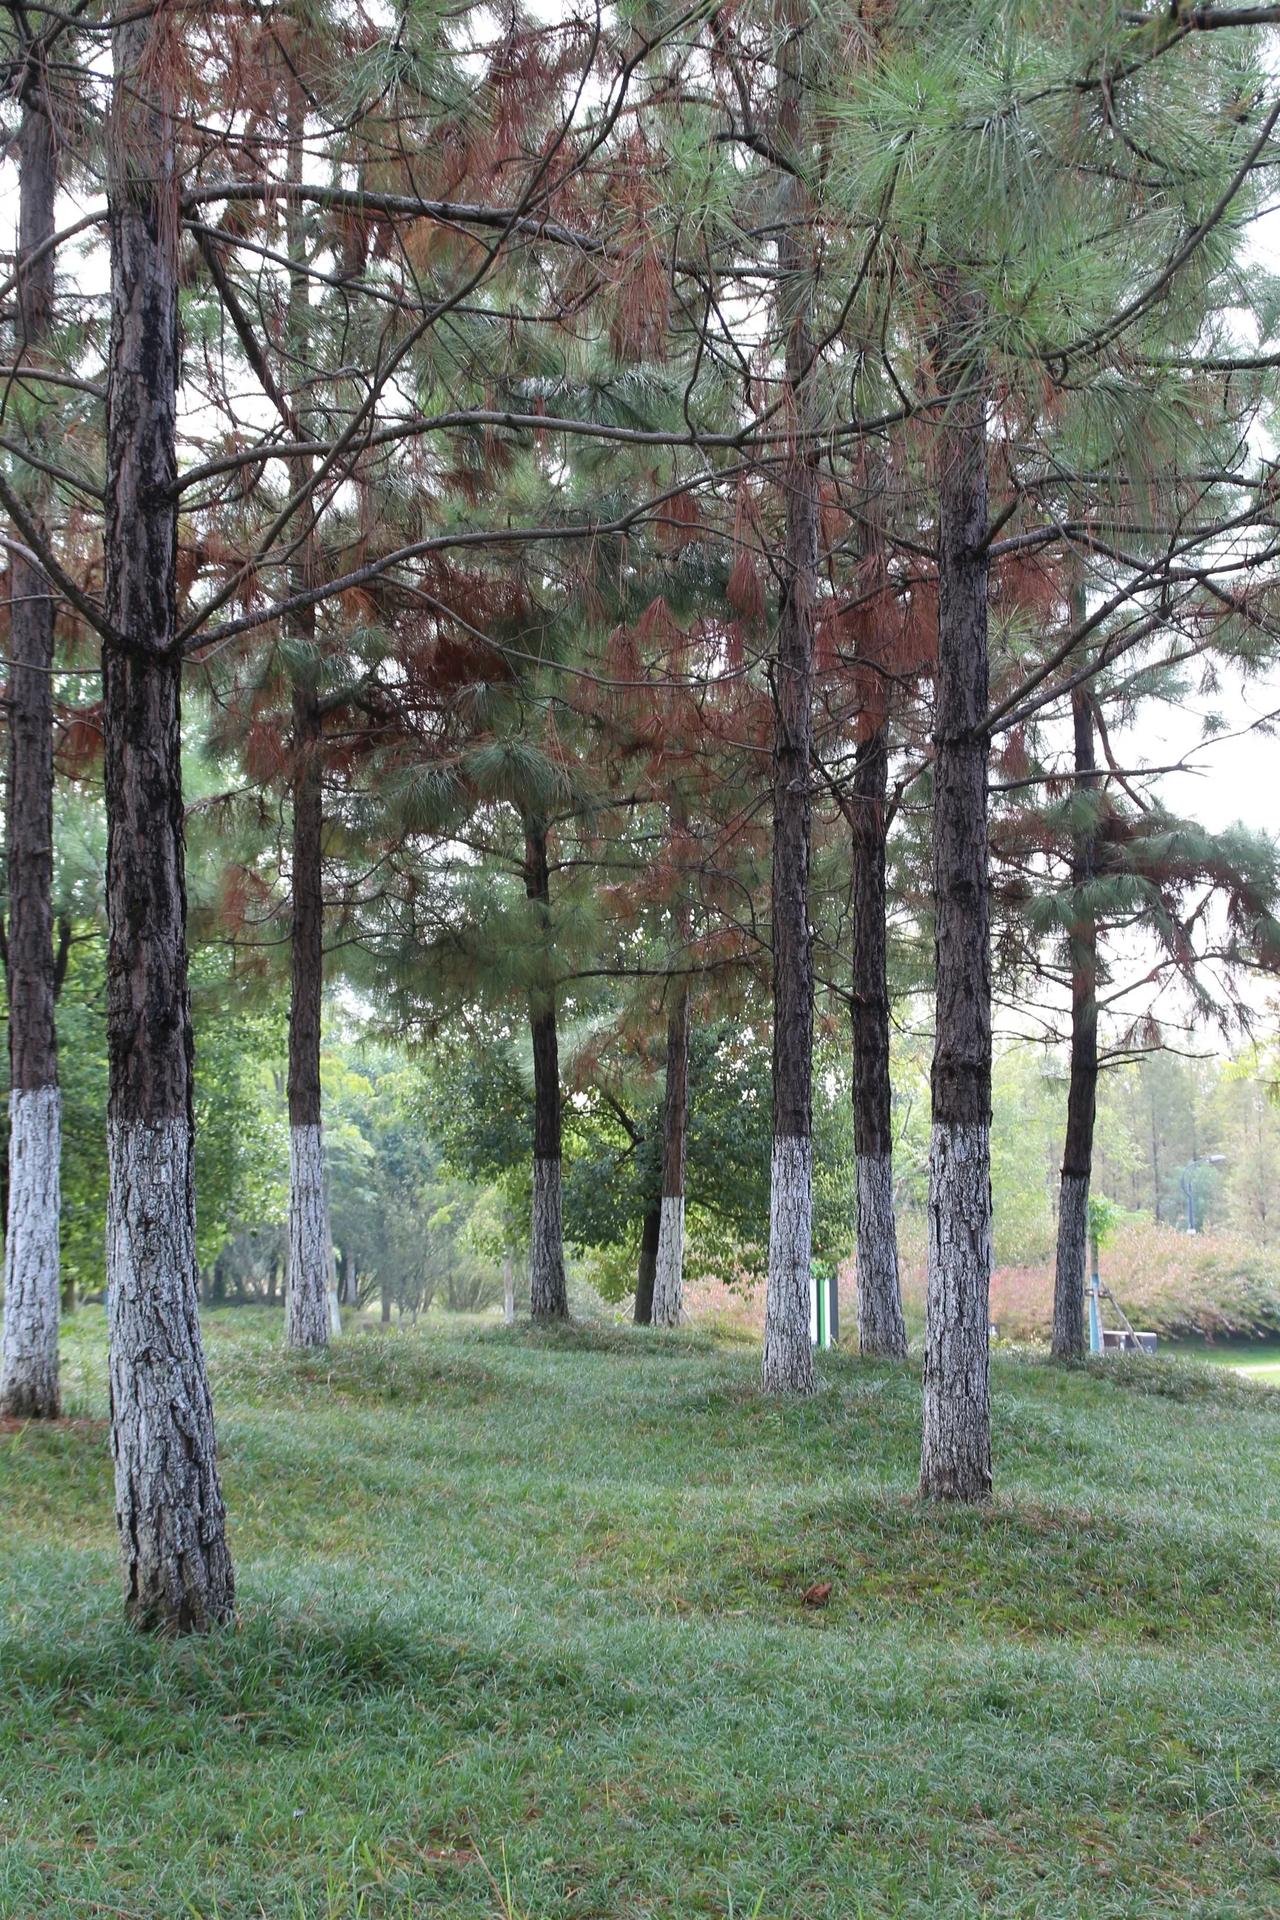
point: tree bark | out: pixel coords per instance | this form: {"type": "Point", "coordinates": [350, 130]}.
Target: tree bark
{"type": "Point", "coordinates": [955, 1461]}
{"type": "Point", "coordinates": [1082, 1091]}
{"type": "Point", "coordinates": [548, 1293]}
{"type": "Point", "coordinates": [310, 1307]}
{"type": "Point", "coordinates": [881, 1329]}
{"type": "Point", "coordinates": [177, 1569]}
{"type": "Point", "coordinates": [787, 1365]}
{"type": "Point", "coordinates": [668, 1278]}
{"type": "Point", "coordinates": [646, 1266]}
{"type": "Point", "coordinates": [307, 1317]}
{"type": "Point", "coordinates": [508, 1288]}
{"type": "Point", "coordinates": [29, 1387]}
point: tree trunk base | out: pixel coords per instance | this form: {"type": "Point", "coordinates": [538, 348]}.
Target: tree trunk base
{"type": "Point", "coordinates": [787, 1364]}
{"type": "Point", "coordinates": [881, 1328]}
{"type": "Point", "coordinates": [29, 1388]}
{"type": "Point", "coordinates": [307, 1307]}
{"type": "Point", "coordinates": [668, 1275]}
{"type": "Point", "coordinates": [955, 1456]}
{"type": "Point", "coordinates": [1073, 1253]}
{"type": "Point", "coordinates": [177, 1570]}
{"type": "Point", "coordinates": [548, 1294]}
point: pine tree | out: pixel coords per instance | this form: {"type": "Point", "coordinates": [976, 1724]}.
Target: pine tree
{"type": "Point", "coordinates": [29, 1387]}
{"type": "Point", "coordinates": [788, 1357]}
{"type": "Point", "coordinates": [178, 1572]}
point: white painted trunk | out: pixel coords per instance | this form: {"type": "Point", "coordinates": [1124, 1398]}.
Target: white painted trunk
{"type": "Point", "coordinates": [548, 1295]}
{"type": "Point", "coordinates": [668, 1273]}
{"type": "Point", "coordinates": [169, 1507]}
{"type": "Point", "coordinates": [788, 1351]}
{"type": "Point", "coordinates": [32, 1272]}
{"type": "Point", "coordinates": [881, 1329]}
{"type": "Point", "coordinates": [1069, 1277]}
{"type": "Point", "coordinates": [307, 1309]}
{"type": "Point", "coordinates": [955, 1458]}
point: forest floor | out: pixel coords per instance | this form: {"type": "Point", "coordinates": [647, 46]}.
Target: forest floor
{"type": "Point", "coordinates": [524, 1635]}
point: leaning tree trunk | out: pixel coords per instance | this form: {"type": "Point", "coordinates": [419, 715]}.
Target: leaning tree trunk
{"type": "Point", "coordinates": [668, 1279]}
{"type": "Point", "coordinates": [788, 1353]}
{"type": "Point", "coordinates": [309, 1307]}
{"type": "Point", "coordinates": [646, 1266]}
{"type": "Point", "coordinates": [548, 1294]}
{"type": "Point", "coordinates": [29, 1362]}
{"type": "Point", "coordinates": [1082, 1092]}
{"type": "Point", "coordinates": [881, 1329]}
{"type": "Point", "coordinates": [955, 1461]}
{"type": "Point", "coordinates": [177, 1568]}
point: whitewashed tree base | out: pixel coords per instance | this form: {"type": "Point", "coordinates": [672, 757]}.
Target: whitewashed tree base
{"type": "Point", "coordinates": [307, 1307]}
{"type": "Point", "coordinates": [668, 1273]}
{"type": "Point", "coordinates": [881, 1328]}
{"type": "Point", "coordinates": [955, 1456]}
{"type": "Point", "coordinates": [1072, 1261]}
{"type": "Point", "coordinates": [169, 1507]}
{"type": "Point", "coordinates": [548, 1294]}
{"type": "Point", "coordinates": [787, 1364]}
{"type": "Point", "coordinates": [29, 1387]}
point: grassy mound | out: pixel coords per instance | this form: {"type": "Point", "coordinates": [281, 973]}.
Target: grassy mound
{"type": "Point", "coordinates": [527, 1630]}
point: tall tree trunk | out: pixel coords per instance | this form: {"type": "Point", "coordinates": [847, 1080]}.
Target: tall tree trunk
{"type": "Point", "coordinates": [1082, 1091]}
{"type": "Point", "coordinates": [307, 1319]}
{"type": "Point", "coordinates": [646, 1267]}
{"type": "Point", "coordinates": [178, 1574]}
{"type": "Point", "coordinates": [384, 1311]}
{"type": "Point", "coordinates": [668, 1279]}
{"type": "Point", "coordinates": [955, 1461]}
{"type": "Point", "coordinates": [29, 1361]}
{"type": "Point", "coordinates": [787, 1365]}
{"type": "Point", "coordinates": [881, 1329]}
{"type": "Point", "coordinates": [548, 1294]}
{"type": "Point", "coordinates": [508, 1287]}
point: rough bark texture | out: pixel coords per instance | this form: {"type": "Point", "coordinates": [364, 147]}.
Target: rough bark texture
{"type": "Point", "coordinates": [1082, 1092]}
{"type": "Point", "coordinates": [29, 1382]}
{"type": "Point", "coordinates": [788, 1350]}
{"type": "Point", "coordinates": [790, 1208]}
{"type": "Point", "coordinates": [956, 1449]}
{"type": "Point", "coordinates": [668, 1276]}
{"type": "Point", "coordinates": [881, 1329]}
{"type": "Point", "coordinates": [307, 1320]}
{"type": "Point", "coordinates": [668, 1282]}
{"type": "Point", "coordinates": [312, 1303]}
{"type": "Point", "coordinates": [169, 1507]}
{"type": "Point", "coordinates": [548, 1294]}
{"type": "Point", "coordinates": [1069, 1342]}
{"type": "Point", "coordinates": [29, 1368]}
{"type": "Point", "coordinates": [168, 1502]}
{"type": "Point", "coordinates": [307, 1300]}
{"type": "Point", "coordinates": [646, 1266]}
{"type": "Point", "coordinates": [955, 1460]}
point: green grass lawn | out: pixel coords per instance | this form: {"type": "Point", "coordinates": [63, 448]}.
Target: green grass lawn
{"type": "Point", "coordinates": [1260, 1357]}
{"type": "Point", "coordinates": [522, 1633]}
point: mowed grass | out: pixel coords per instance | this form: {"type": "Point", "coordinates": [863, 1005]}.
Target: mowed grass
{"type": "Point", "coordinates": [522, 1633]}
